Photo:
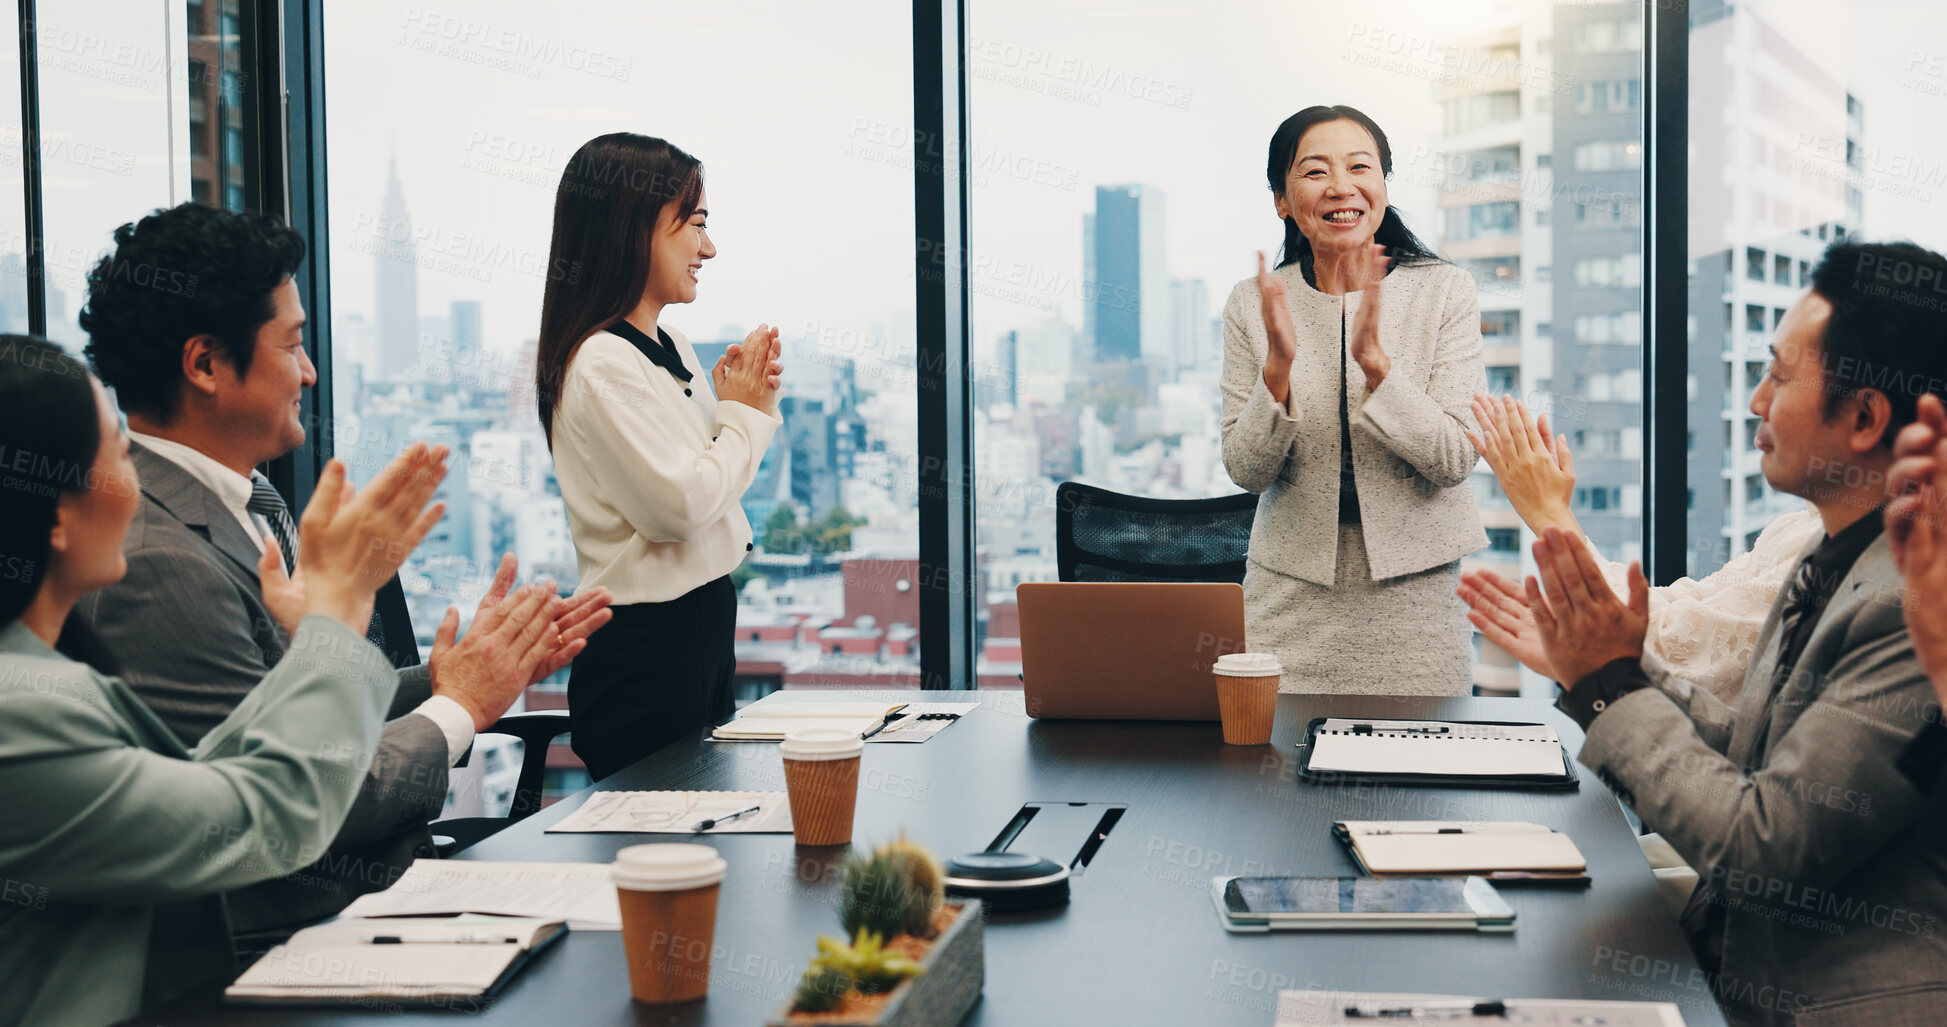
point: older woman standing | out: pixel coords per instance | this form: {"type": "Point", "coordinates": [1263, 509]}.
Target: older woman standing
{"type": "Point", "coordinates": [1349, 418]}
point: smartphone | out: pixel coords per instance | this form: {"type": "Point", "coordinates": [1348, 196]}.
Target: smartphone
{"type": "Point", "coordinates": [1458, 903]}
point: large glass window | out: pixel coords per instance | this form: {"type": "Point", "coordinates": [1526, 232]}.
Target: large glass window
{"type": "Point", "coordinates": [142, 105]}
{"type": "Point", "coordinates": [13, 209]}
{"type": "Point", "coordinates": [448, 135]}
{"type": "Point", "coordinates": [114, 109]}
{"type": "Point", "coordinates": [1099, 281]}
{"type": "Point", "coordinates": [1807, 125]}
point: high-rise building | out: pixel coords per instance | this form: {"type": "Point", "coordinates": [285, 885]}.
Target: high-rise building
{"type": "Point", "coordinates": [464, 323]}
{"type": "Point", "coordinates": [1596, 220]}
{"type": "Point", "coordinates": [1193, 342]}
{"type": "Point", "coordinates": [1775, 155]}
{"type": "Point", "coordinates": [1492, 166]}
{"type": "Point", "coordinates": [1126, 284]}
{"type": "Point", "coordinates": [395, 269]}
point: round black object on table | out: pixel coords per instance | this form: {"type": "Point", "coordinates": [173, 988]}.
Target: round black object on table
{"type": "Point", "coordinates": [1008, 882]}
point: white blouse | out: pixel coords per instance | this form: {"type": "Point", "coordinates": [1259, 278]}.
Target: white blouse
{"type": "Point", "coordinates": [1706, 631]}
{"type": "Point", "coordinates": [653, 478]}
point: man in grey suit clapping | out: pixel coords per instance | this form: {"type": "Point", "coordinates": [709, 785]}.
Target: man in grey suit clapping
{"type": "Point", "coordinates": [195, 321]}
{"type": "Point", "coordinates": [1824, 874]}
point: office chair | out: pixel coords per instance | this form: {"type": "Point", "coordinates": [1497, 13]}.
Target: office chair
{"type": "Point", "coordinates": [536, 729]}
{"type": "Point", "coordinates": [1107, 536]}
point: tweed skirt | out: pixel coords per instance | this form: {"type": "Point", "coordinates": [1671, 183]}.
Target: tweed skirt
{"type": "Point", "coordinates": [1402, 636]}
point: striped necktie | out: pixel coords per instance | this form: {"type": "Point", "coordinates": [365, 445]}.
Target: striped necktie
{"type": "Point", "coordinates": [265, 502]}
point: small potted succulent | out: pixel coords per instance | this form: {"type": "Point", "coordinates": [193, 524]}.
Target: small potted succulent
{"type": "Point", "coordinates": [912, 959]}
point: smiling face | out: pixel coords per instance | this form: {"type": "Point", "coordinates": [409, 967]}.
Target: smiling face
{"type": "Point", "coordinates": [677, 253]}
{"type": "Point", "coordinates": [1335, 190]}
{"type": "Point", "coordinates": [92, 522]}
{"type": "Point", "coordinates": [263, 403]}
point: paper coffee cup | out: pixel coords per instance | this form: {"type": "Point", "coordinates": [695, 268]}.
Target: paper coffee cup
{"type": "Point", "coordinates": [668, 895]}
{"type": "Point", "coordinates": [1247, 696]}
{"type": "Point", "coordinates": [821, 776]}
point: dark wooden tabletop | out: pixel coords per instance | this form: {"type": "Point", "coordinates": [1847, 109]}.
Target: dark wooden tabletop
{"type": "Point", "coordinates": [1140, 943]}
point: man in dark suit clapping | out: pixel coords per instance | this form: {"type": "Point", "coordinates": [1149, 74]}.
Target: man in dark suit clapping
{"type": "Point", "coordinates": [196, 323]}
{"type": "Point", "coordinates": [1824, 872]}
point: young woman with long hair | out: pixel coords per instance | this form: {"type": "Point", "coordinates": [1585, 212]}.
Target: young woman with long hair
{"type": "Point", "coordinates": [652, 465]}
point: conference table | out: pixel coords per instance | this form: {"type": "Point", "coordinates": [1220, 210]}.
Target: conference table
{"type": "Point", "coordinates": [1140, 941]}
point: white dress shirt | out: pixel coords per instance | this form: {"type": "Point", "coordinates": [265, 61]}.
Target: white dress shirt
{"type": "Point", "coordinates": [653, 471]}
{"type": "Point", "coordinates": [233, 491]}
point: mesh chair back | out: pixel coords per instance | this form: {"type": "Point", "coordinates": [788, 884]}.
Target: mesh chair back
{"type": "Point", "coordinates": [1107, 536]}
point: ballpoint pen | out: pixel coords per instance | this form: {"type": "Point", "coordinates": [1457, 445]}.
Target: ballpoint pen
{"type": "Point", "coordinates": [1442, 1010]}
{"type": "Point", "coordinates": [890, 714]}
{"type": "Point", "coordinates": [714, 821]}
{"type": "Point", "coordinates": [450, 939]}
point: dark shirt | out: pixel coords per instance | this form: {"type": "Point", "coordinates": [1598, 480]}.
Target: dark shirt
{"type": "Point", "coordinates": [1925, 760]}
{"type": "Point", "coordinates": [1348, 490]}
{"type": "Point", "coordinates": [1821, 572]}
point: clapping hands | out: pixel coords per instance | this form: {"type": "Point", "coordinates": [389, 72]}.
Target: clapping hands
{"type": "Point", "coordinates": [750, 372]}
{"type": "Point", "coordinates": [1916, 527]}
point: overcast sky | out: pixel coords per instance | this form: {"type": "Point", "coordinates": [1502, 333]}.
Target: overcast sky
{"type": "Point", "coordinates": [802, 117]}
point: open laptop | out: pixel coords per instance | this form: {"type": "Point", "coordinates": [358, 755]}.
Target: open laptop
{"type": "Point", "coordinates": [1126, 650]}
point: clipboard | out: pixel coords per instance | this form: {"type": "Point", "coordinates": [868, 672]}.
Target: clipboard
{"type": "Point", "coordinates": [1566, 780]}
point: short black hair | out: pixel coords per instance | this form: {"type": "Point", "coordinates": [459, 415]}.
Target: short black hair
{"type": "Point", "coordinates": [178, 273]}
{"type": "Point", "coordinates": [1888, 329]}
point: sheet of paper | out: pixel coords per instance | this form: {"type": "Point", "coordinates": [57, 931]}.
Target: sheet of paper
{"type": "Point", "coordinates": [922, 720]}
{"type": "Point", "coordinates": [678, 813]}
{"type": "Point", "coordinates": [1313, 1008]}
{"type": "Point", "coordinates": [767, 720]}
{"type": "Point", "coordinates": [580, 893]}
{"type": "Point", "coordinates": [1417, 747]}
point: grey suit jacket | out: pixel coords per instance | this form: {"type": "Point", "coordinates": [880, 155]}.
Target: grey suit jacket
{"type": "Point", "coordinates": [1410, 454]}
{"type": "Point", "coordinates": [189, 625]}
{"type": "Point", "coordinates": [116, 842]}
{"type": "Point", "coordinates": [1832, 870]}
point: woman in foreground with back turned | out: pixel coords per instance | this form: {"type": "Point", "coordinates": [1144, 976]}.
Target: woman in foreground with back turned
{"type": "Point", "coordinates": [108, 817]}
{"type": "Point", "coordinates": [652, 465]}
{"type": "Point", "coordinates": [1348, 417]}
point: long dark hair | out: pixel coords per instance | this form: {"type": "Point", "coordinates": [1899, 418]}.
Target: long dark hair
{"type": "Point", "coordinates": [605, 211]}
{"type": "Point", "coordinates": [1407, 249]}
{"type": "Point", "coordinates": [52, 431]}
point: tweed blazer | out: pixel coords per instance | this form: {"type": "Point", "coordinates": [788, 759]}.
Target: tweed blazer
{"type": "Point", "coordinates": [1831, 864]}
{"type": "Point", "coordinates": [189, 626]}
{"type": "Point", "coordinates": [1410, 456]}
{"type": "Point", "coordinates": [118, 841]}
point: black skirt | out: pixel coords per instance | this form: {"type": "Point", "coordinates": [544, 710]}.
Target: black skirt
{"type": "Point", "coordinates": [651, 675]}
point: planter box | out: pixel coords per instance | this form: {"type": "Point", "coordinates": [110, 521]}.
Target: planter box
{"type": "Point", "coordinates": [941, 997]}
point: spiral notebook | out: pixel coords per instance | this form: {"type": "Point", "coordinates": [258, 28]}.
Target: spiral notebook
{"type": "Point", "coordinates": [1454, 752]}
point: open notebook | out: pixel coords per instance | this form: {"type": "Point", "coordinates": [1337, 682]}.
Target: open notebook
{"type": "Point", "coordinates": [406, 961]}
{"type": "Point", "coordinates": [1418, 847]}
{"type": "Point", "coordinates": [1436, 752]}
{"type": "Point", "coordinates": [770, 721]}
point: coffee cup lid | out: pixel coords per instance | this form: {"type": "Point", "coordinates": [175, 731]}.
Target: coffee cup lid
{"type": "Point", "coordinates": [821, 743]}
{"type": "Point", "coordinates": [667, 867]}
{"type": "Point", "coordinates": [1248, 665]}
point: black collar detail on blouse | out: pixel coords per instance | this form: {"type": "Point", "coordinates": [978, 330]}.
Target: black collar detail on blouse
{"type": "Point", "coordinates": [660, 350]}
